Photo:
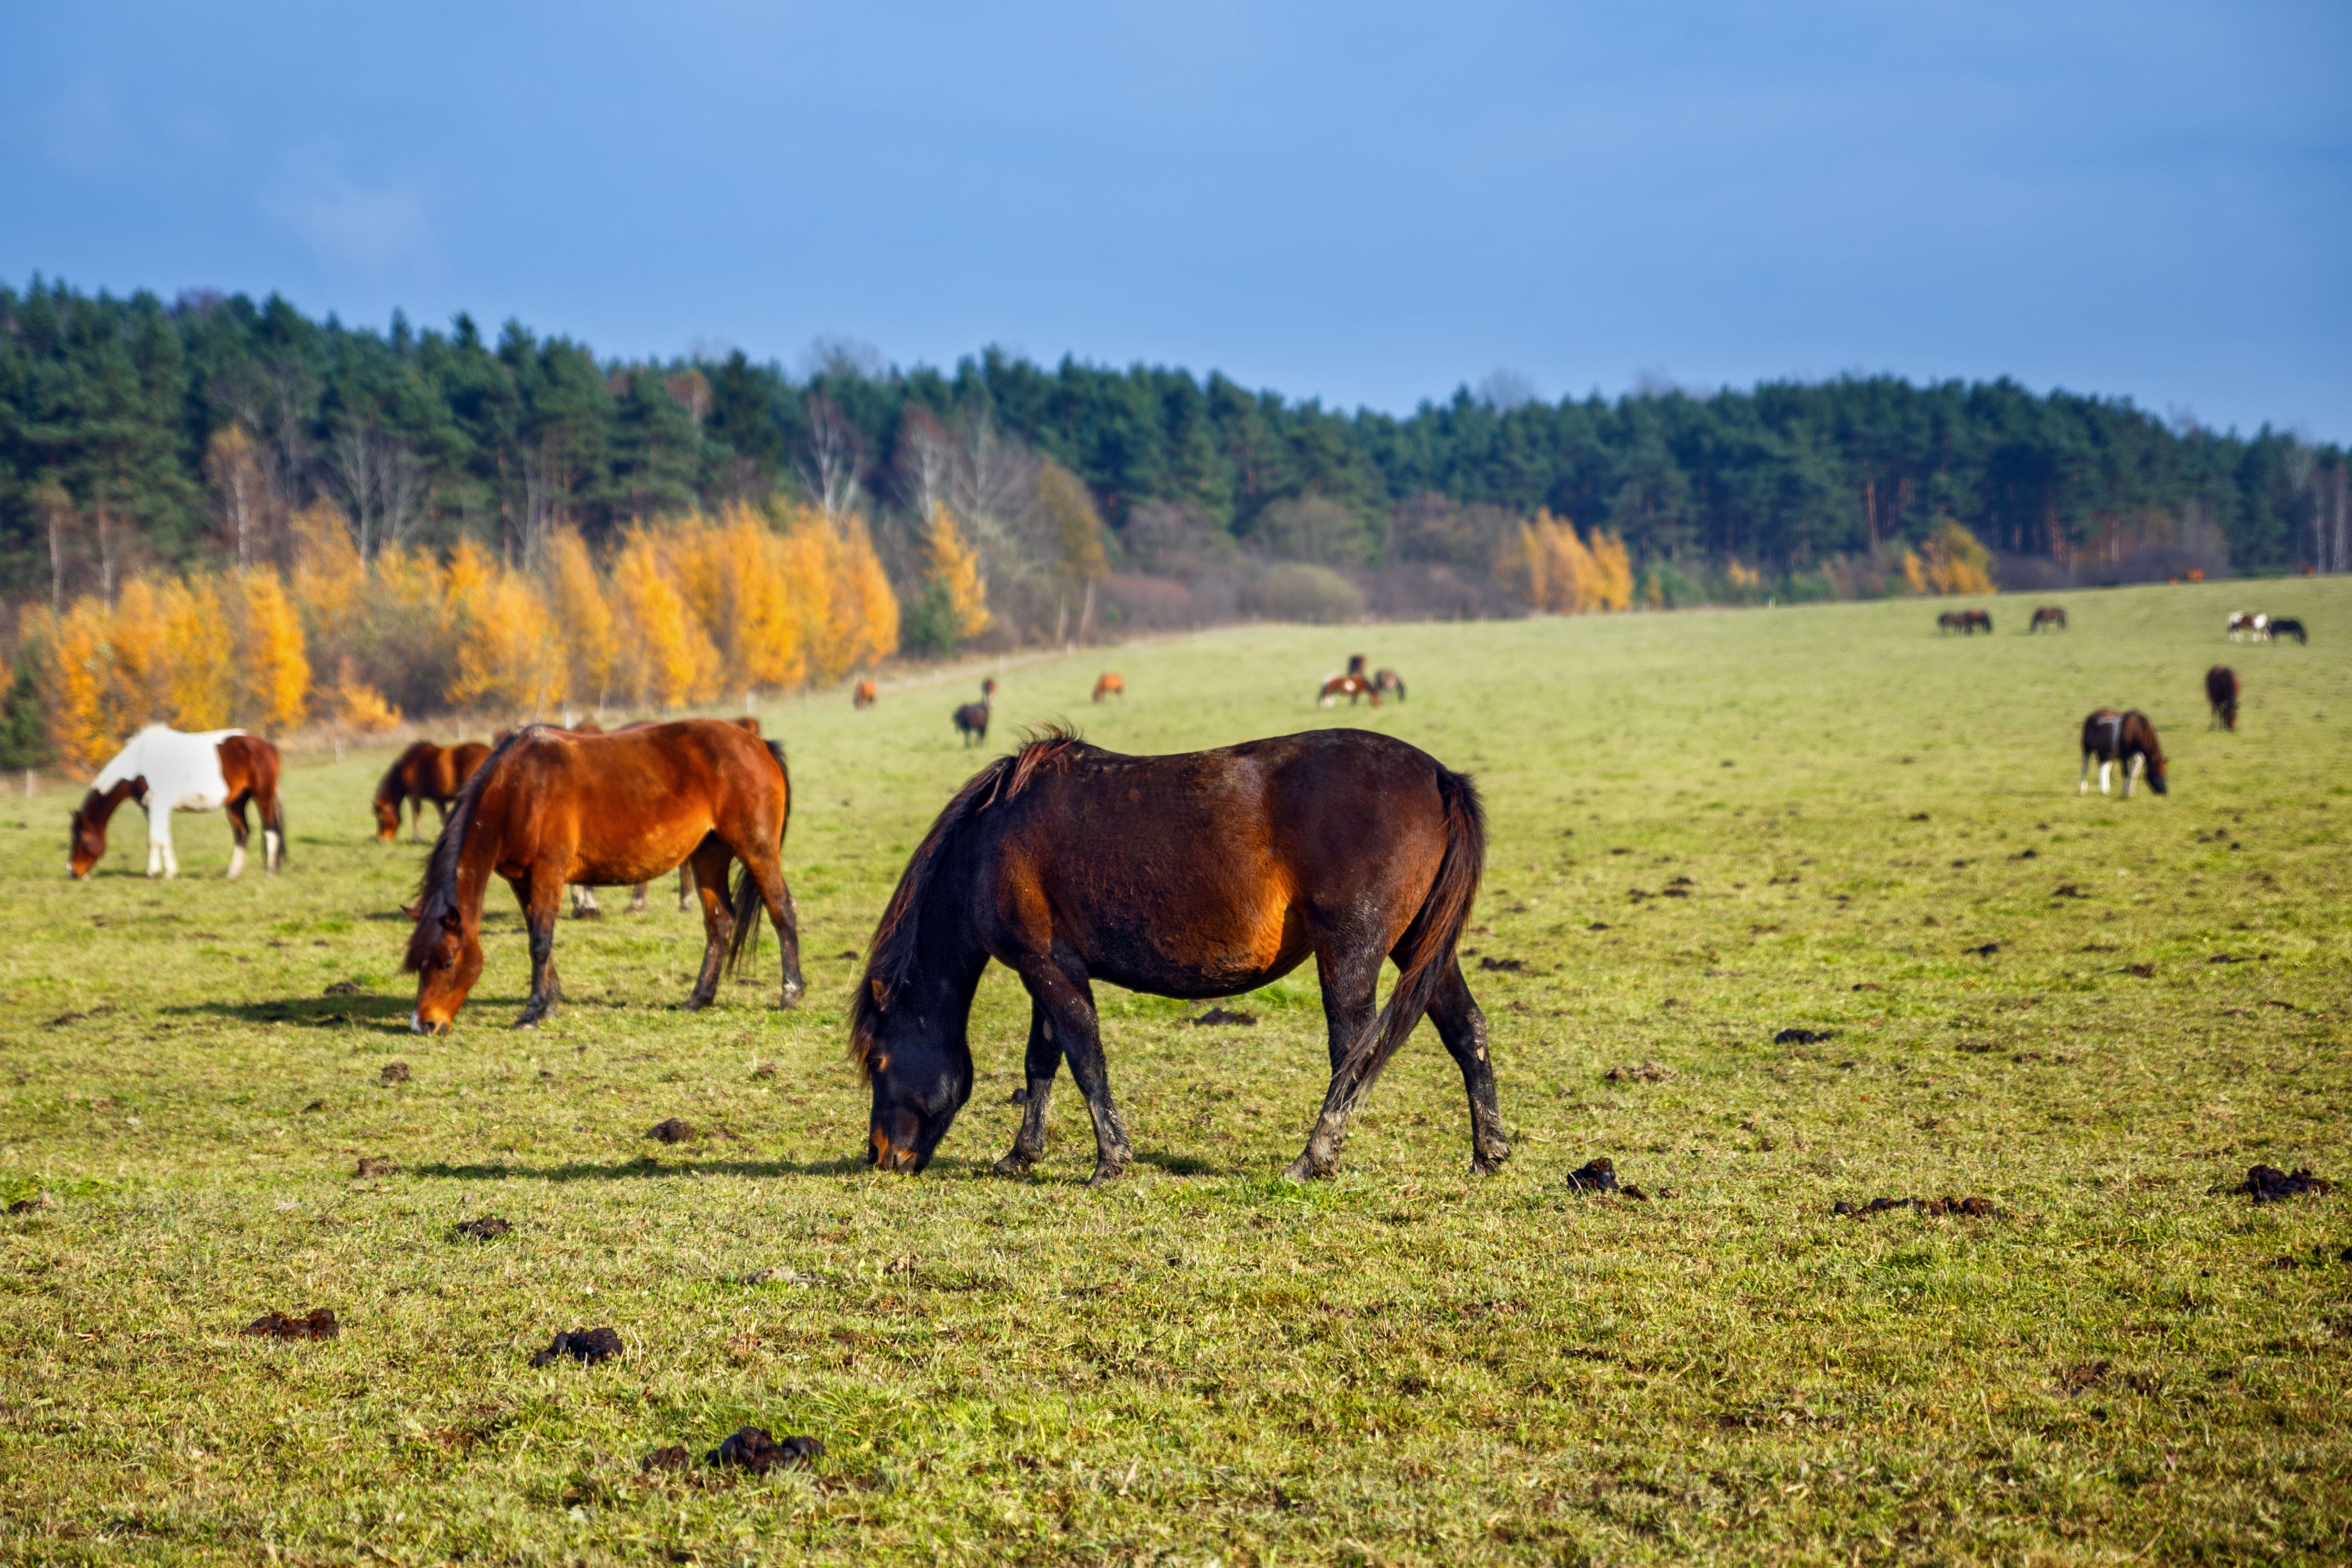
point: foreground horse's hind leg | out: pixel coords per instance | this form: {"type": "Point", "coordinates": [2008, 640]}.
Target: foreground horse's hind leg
{"type": "Point", "coordinates": [1463, 1028]}
{"type": "Point", "coordinates": [1042, 1062]}
{"type": "Point", "coordinates": [1069, 1005]}
{"type": "Point", "coordinates": [1351, 1085]}
{"type": "Point", "coordinates": [540, 897]}
{"type": "Point", "coordinates": [238, 831]}
{"type": "Point", "coordinates": [1350, 982]}
{"type": "Point", "coordinates": [709, 861]}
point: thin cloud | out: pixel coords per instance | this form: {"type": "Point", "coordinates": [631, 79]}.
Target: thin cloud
{"type": "Point", "coordinates": [380, 229]}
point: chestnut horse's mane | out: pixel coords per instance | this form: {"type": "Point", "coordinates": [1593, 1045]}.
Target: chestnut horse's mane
{"type": "Point", "coordinates": [437, 890]}
{"type": "Point", "coordinates": [389, 788]}
{"type": "Point", "coordinates": [891, 960]}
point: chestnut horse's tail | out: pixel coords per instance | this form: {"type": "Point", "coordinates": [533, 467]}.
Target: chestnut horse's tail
{"type": "Point", "coordinates": [744, 900]}
{"type": "Point", "coordinates": [1428, 944]}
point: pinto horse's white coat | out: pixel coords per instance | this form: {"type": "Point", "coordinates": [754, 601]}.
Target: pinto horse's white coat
{"type": "Point", "coordinates": [183, 773]}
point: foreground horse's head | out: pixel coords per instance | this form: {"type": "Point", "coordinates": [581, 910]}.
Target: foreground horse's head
{"type": "Point", "coordinates": [89, 842]}
{"type": "Point", "coordinates": [918, 1062]}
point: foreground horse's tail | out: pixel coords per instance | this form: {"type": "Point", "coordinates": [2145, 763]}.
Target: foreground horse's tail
{"type": "Point", "coordinates": [744, 900]}
{"type": "Point", "coordinates": [1428, 945]}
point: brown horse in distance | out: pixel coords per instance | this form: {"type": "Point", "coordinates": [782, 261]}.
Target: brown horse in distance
{"type": "Point", "coordinates": [1388, 683]}
{"type": "Point", "coordinates": [1350, 685]}
{"type": "Point", "coordinates": [2221, 691]}
{"type": "Point", "coordinates": [553, 806]}
{"type": "Point", "coordinates": [425, 772]}
{"type": "Point", "coordinates": [2125, 739]}
{"type": "Point", "coordinates": [971, 719]}
{"type": "Point", "coordinates": [1200, 875]}
{"type": "Point", "coordinates": [864, 695]}
{"type": "Point", "coordinates": [1110, 684]}
{"type": "Point", "coordinates": [1967, 622]}
{"type": "Point", "coordinates": [248, 766]}
{"type": "Point", "coordinates": [2049, 616]}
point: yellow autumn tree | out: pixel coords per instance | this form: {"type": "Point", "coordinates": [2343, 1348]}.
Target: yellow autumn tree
{"type": "Point", "coordinates": [139, 646]}
{"type": "Point", "coordinates": [953, 567]}
{"type": "Point", "coordinates": [583, 620]}
{"type": "Point", "coordinates": [666, 658]}
{"type": "Point", "coordinates": [869, 609]}
{"type": "Point", "coordinates": [204, 671]}
{"type": "Point", "coordinates": [734, 576]}
{"type": "Point", "coordinates": [272, 661]}
{"type": "Point", "coordinates": [84, 724]}
{"type": "Point", "coordinates": [360, 707]}
{"type": "Point", "coordinates": [510, 658]}
{"type": "Point", "coordinates": [1951, 560]}
{"type": "Point", "coordinates": [1616, 566]}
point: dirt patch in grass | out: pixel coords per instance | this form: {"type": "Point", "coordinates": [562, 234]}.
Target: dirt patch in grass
{"type": "Point", "coordinates": [2268, 1184]}
{"type": "Point", "coordinates": [674, 1130]}
{"type": "Point", "coordinates": [751, 1448]}
{"type": "Point", "coordinates": [1214, 1018]}
{"type": "Point", "coordinates": [488, 1227]}
{"type": "Point", "coordinates": [1641, 1072]}
{"type": "Point", "coordinates": [588, 1346]}
{"type": "Point", "coordinates": [394, 1072]}
{"type": "Point", "coordinates": [318, 1323]}
{"type": "Point", "coordinates": [1974, 1208]}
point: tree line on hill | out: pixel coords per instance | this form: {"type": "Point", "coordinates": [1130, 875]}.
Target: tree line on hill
{"type": "Point", "coordinates": [1008, 501]}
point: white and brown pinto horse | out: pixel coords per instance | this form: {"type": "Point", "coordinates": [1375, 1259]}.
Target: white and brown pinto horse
{"type": "Point", "coordinates": [167, 771]}
{"type": "Point", "coordinates": [2125, 740]}
{"type": "Point", "coordinates": [1350, 685]}
{"type": "Point", "coordinates": [2246, 624]}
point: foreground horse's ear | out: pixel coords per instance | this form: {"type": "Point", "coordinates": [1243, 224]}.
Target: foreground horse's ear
{"type": "Point", "coordinates": [451, 923]}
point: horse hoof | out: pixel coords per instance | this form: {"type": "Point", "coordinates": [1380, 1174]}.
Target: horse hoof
{"type": "Point", "coordinates": [696, 1004]}
{"type": "Point", "coordinates": [1303, 1171]}
{"type": "Point", "coordinates": [1013, 1164]}
{"type": "Point", "coordinates": [1488, 1164]}
{"type": "Point", "coordinates": [790, 1000]}
{"type": "Point", "coordinates": [1107, 1174]}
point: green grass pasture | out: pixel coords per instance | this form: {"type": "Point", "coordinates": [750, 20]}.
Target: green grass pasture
{"type": "Point", "coordinates": [1706, 827]}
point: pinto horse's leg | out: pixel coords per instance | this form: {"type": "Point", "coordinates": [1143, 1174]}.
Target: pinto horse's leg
{"type": "Point", "coordinates": [2082, 784]}
{"type": "Point", "coordinates": [1043, 1061]}
{"type": "Point", "coordinates": [2103, 766]}
{"type": "Point", "coordinates": [637, 902]}
{"type": "Point", "coordinates": [2131, 772]}
{"type": "Point", "coordinates": [238, 832]}
{"type": "Point", "coordinates": [709, 861]}
{"type": "Point", "coordinates": [1463, 1028]}
{"type": "Point", "coordinates": [540, 894]}
{"type": "Point", "coordinates": [1068, 1002]}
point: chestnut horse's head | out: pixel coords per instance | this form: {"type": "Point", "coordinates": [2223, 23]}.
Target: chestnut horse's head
{"type": "Point", "coordinates": [387, 819]}
{"type": "Point", "coordinates": [447, 960]}
{"type": "Point", "coordinates": [89, 841]}
{"type": "Point", "coordinates": [2151, 749]}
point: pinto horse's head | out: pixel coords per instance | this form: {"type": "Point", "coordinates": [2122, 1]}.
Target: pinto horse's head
{"type": "Point", "coordinates": [88, 845]}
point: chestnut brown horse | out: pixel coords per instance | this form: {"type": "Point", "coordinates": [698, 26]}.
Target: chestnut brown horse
{"type": "Point", "coordinates": [864, 695]}
{"type": "Point", "coordinates": [2126, 741]}
{"type": "Point", "coordinates": [2049, 616]}
{"type": "Point", "coordinates": [1110, 683]}
{"type": "Point", "coordinates": [165, 770]}
{"type": "Point", "coordinates": [971, 719]}
{"type": "Point", "coordinates": [1350, 685]}
{"type": "Point", "coordinates": [2222, 691]}
{"type": "Point", "coordinates": [553, 806]}
{"type": "Point", "coordinates": [425, 772]}
{"type": "Point", "coordinates": [1200, 875]}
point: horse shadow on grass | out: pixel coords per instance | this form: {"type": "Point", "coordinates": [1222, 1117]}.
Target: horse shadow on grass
{"type": "Point", "coordinates": [638, 1168]}
{"type": "Point", "coordinates": [312, 1012]}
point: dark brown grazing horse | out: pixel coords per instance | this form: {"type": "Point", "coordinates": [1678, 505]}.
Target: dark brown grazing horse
{"type": "Point", "coordinates": [971, 719]}
{"type": "Point", "coordinates": [424, 773]}
{"type": "Point", "coordinates": [248, 765]}
{"type": "Point", "coordinates": [2123, 739]}
{"type": "Point", "coordinates": [1200, 875]}
{"type": "Point", "coordinates": [551, 806]}
{"type": "Point", "coordinates": [2288, 626]}
{"type": "Point", "coordinates": [864, 696]}
{"type": "Point", "coordinates": [2049, 616]}
{"type": "Point", "coordinates": [2221, 691]}
{"type": "Point", "coordinates": [1968, 623]}
{"type": "Point", "coordinates": [1388, 683]}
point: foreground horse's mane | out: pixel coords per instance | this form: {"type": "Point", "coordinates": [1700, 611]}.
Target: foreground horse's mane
{"type": "Point", "coordinates": [437, 890]}
{"type": "Point", "coordinates": [891, 960]}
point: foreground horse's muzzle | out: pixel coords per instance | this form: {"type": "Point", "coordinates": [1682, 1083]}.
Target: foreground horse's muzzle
{"type": "Point", "coordinates": [418, 1023]}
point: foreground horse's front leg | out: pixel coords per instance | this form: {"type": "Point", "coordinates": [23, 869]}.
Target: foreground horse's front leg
{"type": "Point", "coordinates": [709, 861]}
{"type": "Point", "coordinates": [1463, 1028]}
{"type": "Point", "coordinates": [540, 899]}
{"type": "Point", "coordinates": [637, 902]}
{"type": "Point", "coordinates": [1043, 1061]}
{"type": "Point", "coordinates": [1069, 1008]}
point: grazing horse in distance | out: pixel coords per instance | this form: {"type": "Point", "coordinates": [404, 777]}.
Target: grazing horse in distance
{"type": "Point", "coordinates": [1350, 685]}
{"type": "Point", "coordinates": [1199, 875]}
{"type": "Point", "coordinates": [2125, 739]}
{"type": "Point", "coordinates": [166, 770]}
{"type": "Point", "coordinates": [864, 696]}
{"type": "Point", "coordinates": [553, 806]}
{"type": "Point", "coordinates": [2245, 624]}
{"type": "Point", "coordinates": [1966, 622]}
{"type": "Point", "coordinates": [2287, 627]}
{"type": "Point", "coordinates": [2049, 616]}
{"type": "Point", "coordinates": [1110, 683]}
{"type": "Point", "coordinates": [424, 773]}
{"type": "Point", "coordinates": [2222, 691]}
{"type": "Point", "coordinates": [1356, 663]}
{"type": "Point", "coordinates": [1389, 683]}
{"type": "Point", "coordinates": [971, 719]}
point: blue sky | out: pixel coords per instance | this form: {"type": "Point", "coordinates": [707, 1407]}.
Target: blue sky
{"type": "Point", "coordinates": [1366, 203]}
